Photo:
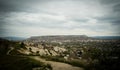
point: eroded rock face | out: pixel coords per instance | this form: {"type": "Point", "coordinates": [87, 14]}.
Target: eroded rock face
{"type": "Point", "coordinates": [41, 49]}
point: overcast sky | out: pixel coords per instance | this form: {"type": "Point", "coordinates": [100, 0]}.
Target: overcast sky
{"type": "Point", "coordinates": [25, 18]}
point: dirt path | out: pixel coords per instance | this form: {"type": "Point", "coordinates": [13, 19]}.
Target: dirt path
{"type": "Point", "coordinates": [11, 48]}
{"type": "Point", "coordinates": [58, 65]}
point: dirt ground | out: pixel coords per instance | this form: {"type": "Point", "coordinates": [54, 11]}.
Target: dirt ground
{"type": "Point", "coordinates": [58, 65]}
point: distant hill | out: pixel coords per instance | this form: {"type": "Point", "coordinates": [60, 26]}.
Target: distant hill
{"type": "Point", "coordinates": [60, 38]}
{"type": "Point", "coordinates": [107, 37]}
{"type": "Point", "coordinates": [14, 38]}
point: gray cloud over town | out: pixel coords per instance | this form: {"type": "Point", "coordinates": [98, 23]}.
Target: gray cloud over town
{"type": "Point", "coordinates": [59, 17]}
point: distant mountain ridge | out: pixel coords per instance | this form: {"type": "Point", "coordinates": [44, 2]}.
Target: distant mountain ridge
{"type": "Point", "coordinates": [60, 38]}
{"type": "Point", "coordinates": [107, 37]}
{"type": "Point", "coordinates": [14, 38]}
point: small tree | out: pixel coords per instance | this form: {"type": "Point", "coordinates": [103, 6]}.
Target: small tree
{"type": "Point", "coordinates": [37, 53]}
{"type": "Point", "coordinates": [22, 45]}
{"type": "Point", "coordinates": [30, 49]}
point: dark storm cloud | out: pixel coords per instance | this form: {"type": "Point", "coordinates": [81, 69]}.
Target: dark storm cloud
{"type": "Point", "coordinates": [109, 20]}
{"type": "Point", "coordinates": [114, 4]}
{"type": "Point", "coordinates": [110, 1]}
{"type": "Point", "coordinates": [116, 8]}
{"type": "Point", "coordinates": [113, 16]}
{"type": "Point", "coordinates": [18, 5]}
{"type": "Point", "coordinates": [5, 6]}
{"type": "Point", "coordinates": [9, 5]}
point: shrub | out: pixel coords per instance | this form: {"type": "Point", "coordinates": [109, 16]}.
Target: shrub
{"type": "Point", "coordinates": [21, 63]}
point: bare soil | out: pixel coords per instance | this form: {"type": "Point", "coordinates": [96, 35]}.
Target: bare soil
{"type": "Point", "coordinates": [58, 65]}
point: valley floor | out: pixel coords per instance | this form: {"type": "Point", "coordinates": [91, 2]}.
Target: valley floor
{"type": "Point", "coordinates": [57, 65]}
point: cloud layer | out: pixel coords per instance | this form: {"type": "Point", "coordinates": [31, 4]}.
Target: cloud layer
{"type": "Point", "coordinates": [57, 17]}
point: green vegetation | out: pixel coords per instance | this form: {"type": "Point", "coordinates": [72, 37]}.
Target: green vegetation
{"type": "Point", "coordinates": [96, 55]}
{"type": "Point", "coordinates": [6, 46]}
{"type": "Point", "coordinates": [21, 63]}
{"type": "Point", "coordinates": [22, 45]}
{"type": "Point", "coordinates": [78, 63]}
{"type": "Point", "coordinates": [15, 60]}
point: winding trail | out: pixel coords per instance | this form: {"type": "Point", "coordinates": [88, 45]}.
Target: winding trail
{"type": "Point", "coordinates": [57, 65]}
{"type": "Point", "coordinates": [11, 48]}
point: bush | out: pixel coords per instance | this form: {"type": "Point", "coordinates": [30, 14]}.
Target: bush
{"type": "Point", "coordinates": [21, 63]}
{"type": "Point", "coordinates": [78, 63]}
